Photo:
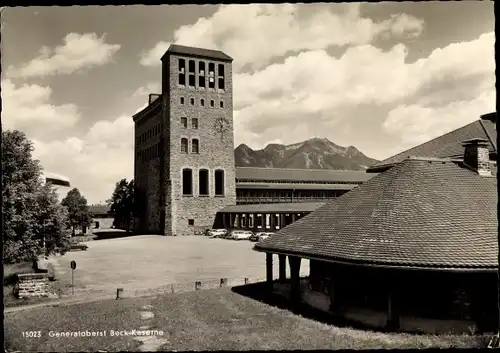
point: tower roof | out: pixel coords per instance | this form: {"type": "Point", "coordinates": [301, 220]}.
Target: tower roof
{"type": "Point", "coordinates": [197, 52]}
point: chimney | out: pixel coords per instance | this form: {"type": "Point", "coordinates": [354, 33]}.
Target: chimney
{"type": "Point", "coordinates": [153, 97]}
{"type": "Point", "coordinates": [477, 156]}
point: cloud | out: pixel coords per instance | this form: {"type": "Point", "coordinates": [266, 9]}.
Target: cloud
{"type": "Point", "coordinates": [28, 108]}
{"type": "Point", "coordinates": [464, 88]}
{"type": "Point", "coordinates": [95, 161]}
{"type": "Point", "coordinates": [148, 89]}
{"type": "Point", "coordinates": [152, 57]}
{"type": "Point", "coordinates": [321, 90]}
{"type": "Point", "coordinates": [402, 25]}
{"type": "Point", "coordinates": [271, 31]}
{"type": "Point", "coordinates": [417, 123]}
{"type": "Point", "coordinates": [78, 52]}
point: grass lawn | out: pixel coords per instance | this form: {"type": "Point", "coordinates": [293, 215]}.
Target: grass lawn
{"type": "Point", "coordinates": [143, 263]}
{"type": "Point", "coordinates": [219, 319]}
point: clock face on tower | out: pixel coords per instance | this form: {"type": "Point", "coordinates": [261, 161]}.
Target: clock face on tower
{"type": "Point", "coordinates": [221, 125]}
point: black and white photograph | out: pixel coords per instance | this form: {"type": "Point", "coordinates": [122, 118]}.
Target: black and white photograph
{"type": "Point", "coordinates": [256, 176]}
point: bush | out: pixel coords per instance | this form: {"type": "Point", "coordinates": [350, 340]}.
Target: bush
{"type": "Point", "coordinates": [11, 271]}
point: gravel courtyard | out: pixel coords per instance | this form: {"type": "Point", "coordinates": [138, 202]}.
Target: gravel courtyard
{"type": "Point", "coordinates": [152, 263]}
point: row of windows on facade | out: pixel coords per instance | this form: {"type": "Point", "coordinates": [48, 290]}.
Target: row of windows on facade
{"type": "Point", "coordinates": [152, 132]}
{"type": "Point", "coordinates": [201, 74]}
{"type": "Point", "coordinates": [195, 145]}
{"type": "Point", "coordinates": [156, 129]}
{"type": "Point", "coordinates": [203, 182]}
{"type": "Point", "coordinates": [289, 194]}
{"type": "Point", "coordinates": [202, 102]}
{"type": "Point", "coordinates": [153, 151]}
{"type": "Point", "coordinates": [148, 154]}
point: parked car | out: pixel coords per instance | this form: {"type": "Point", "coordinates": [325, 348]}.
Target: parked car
{"type": "Point", "coordinates": [264, 235]}
{"type": "Point", "coordinates": [217, 233]}
{"type": "Point", "coordinates": [254, 237]}
{"type": "Point", "coordinates": [81, 247]}
{"type": "Point", "coordinates": [241, 234]}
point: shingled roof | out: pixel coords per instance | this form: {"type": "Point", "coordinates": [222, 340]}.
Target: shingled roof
{"type": "Point", "coordinates": [446, 146]}
{"type": "Point", "coordinates": [419, 213]}
{"type": "Point", "coordinates": [294, 186]}
{"type": "Point", "coordinates": [309, 175]}
{"type": "Point", "coordinates": [197, 52]}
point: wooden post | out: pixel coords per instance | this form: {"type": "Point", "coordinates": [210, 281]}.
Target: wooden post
{"type": "Point", "coordinates": [294, 278]}
{"type": "Point", "coordinates": [272, 225]}
{"type": "Point", "coordinates": [224, 225]}
{"type": "Point", "coordinates": [282, 268]}
{"type": "Point", "coordinates": [294, 217]}
{"type": "Point", "coordinates": [483, 297]}
{"type": "Point", "coordinates": [269, 270]}
{"type": "Point", "coordinates": [392, 310]}
{"type": "Point", "coordinates": [333, 286]}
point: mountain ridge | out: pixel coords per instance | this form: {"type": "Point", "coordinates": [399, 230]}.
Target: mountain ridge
{"type": "Point", "coordinates": [314, 153]}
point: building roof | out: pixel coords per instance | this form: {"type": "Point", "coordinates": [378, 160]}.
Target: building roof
{"type": "Point", "coordinates": [274, 208]}
{"type": "Point", "coordinates": [311, 175]}
{"type": "Point", "coordinates": [147, 109]}
{"type": "Point", "coordinates": [197, 52]}
{"type": "Point", "coordinates": [294, 186]}
{"type": "Point", "coordinates": [448, 145]}
{"type": "Point", "coordinates": [99, 209]}
{"type": "Point", "coordinates": [419, 213]}
{"type": "Point", "coordinates": [55, 177]}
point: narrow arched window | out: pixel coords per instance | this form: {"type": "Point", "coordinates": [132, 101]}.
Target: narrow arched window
{"type": "Point", "coordinates": [203, 182]}
{"type": "Point", "coordinates": [219, 182]}
{"type": "Point", "coordinates": [184, 145]}
{"type": "Point", "coordinates": [195, 146]}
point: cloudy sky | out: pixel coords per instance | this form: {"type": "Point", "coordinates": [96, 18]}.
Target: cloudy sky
{"type": "Point", "coordinates": [382, 77]}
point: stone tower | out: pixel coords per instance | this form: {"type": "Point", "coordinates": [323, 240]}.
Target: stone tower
{"type": "Point", "coordinates": [197, 177]}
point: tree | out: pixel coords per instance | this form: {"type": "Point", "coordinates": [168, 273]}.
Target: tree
{"type": "Point", "coordinates": [34, 222]}
{"type": "Point", "coordinates": [122, 203]}
{"type": "Point", "coordinates": [79, 214]}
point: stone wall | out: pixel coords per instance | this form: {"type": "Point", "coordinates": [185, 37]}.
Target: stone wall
{"type": "Point", "coordinates": [32, 285]}
{"type": "Point", "coordinates": [172, 213]}
{"type": "Point", "coordinates": [216, 150]}
{"type": "Point", "coordinates": [104, 223]}
{"type": "Point", "coordinates": [146, 174]}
